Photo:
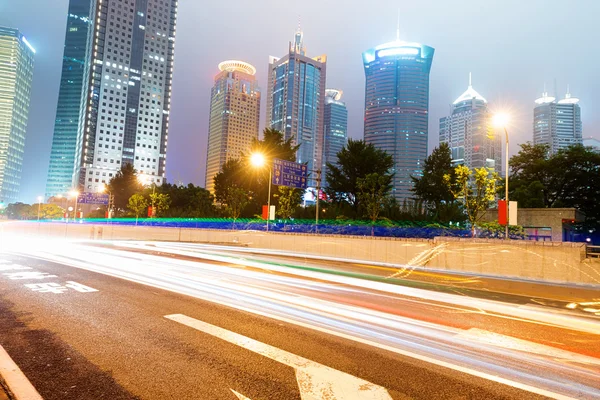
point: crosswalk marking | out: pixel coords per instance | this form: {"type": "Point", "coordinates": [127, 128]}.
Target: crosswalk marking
{"type": "Point", "coordinates": [315, 381]}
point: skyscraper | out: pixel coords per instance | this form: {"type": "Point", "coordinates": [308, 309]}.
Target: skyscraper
{"type": "Point", "coordinates": [127, 98]}
{"type": "Point", "coordinates": [397, 107]}
{"type": "Point", "coordinates": [16, 75]}
{"type": "Point", "coordinates": [234, 116]}
{"type": "Point", "coordinates": [336, 127]}
{"type": "Point", "coordinates": [70, 111]}
{"type": "Point", "coordinates": [469, 133]}
{"type": "Point", "coordinates": [295, 101]}
{"type": "Point", "coordinates": [557, 123]}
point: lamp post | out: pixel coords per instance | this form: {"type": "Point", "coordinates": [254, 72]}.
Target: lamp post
{"type": "Point", "coordinates": [39, 199]}
{"type": "Point", "coordinates": [258, 160]}
{"type": "Point", "coordinates": [102, 189]}
{"type": "Point", "coordinates": [75, 194]}
{"type": "Point", "coordinates": [501, 120]}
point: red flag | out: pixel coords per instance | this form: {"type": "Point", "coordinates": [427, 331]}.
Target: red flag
{"type": "Point", "coordinates": [502, 215]}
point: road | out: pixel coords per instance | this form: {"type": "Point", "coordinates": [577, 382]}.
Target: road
{"type": "Point", "coordinates": [129, 320]}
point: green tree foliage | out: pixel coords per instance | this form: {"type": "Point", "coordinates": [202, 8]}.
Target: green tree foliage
{"type": "Point", "coordinates": [236, 200]}
{"type": "Point", "coordinates": [373, 193]}
{"type": "Point", "coordinates": [569, 178]}
{"type": "Point", "coordinates": [124, 185]}
{"type": "Point", "coordinates": [49, 211]}
{"type": "Point", "coordinates": [19, 211]}
{"type": "Point", "coordinates": [188, 201]}
{"type": "Point", "coordinates": [137, 204]}
{"type": "Point", "coordinates": [160, 203]}
{"type": "Point", "coordinates": [431, 187]}
{"type": "Point", "coordinates": [355, 161]}
{"type": "Point", "coordinates": [231, 175]}
{"type": "Point", "coordinates": [288, 200]}
{"type": "Point", "coordinates": [476, 192]}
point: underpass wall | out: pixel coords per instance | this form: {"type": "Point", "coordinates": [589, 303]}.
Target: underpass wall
{"type": "Point", "coordinates": [543, 261]}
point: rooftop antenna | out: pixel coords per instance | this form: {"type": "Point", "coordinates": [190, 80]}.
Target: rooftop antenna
{"type": "Point", "coordinates": [568, 91]}
{"type": "Point", "coordinates": [470, 82]}
{"type": "Point", "coordinates": [398, 27]}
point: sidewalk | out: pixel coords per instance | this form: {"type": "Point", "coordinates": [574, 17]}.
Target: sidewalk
{"type": "Point", "coordinates": [14, 385]}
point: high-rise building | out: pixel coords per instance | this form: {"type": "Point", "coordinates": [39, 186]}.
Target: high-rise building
{"type": "Point", "coordinates": [127, 98]}
{"type": "Point", "coordinates": [234, 116]}
{"type": "Point", "coordinates": [16, 76]}
{"type": "Point", "coordinates": [469, 133]}
{"type": "Point", "coordinates": [593, 143]}
{"type": "Point", "coordinates": [557, 123]}
{"type": "Point", "coordinates": [70, 111]}
{"type": "Point", "coordinates": [397, 107]}
{"type": "Point", "coordinates": [295, 101]}
{"type": "Point", "coordinates": [336, 127]}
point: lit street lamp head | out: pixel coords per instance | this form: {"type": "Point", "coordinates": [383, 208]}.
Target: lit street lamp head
{"type": "Point", "coordinates": [74, 193]}
{"type": "Point", "coordinates": [500, 120]}
{"type": "Point", "coordinates": [257, 159]}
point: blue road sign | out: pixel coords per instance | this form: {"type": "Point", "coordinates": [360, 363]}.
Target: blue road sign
{"type": "Point", "coordinates": [93, 198]}
{"type": "Point", "coordinates": [289, 173]}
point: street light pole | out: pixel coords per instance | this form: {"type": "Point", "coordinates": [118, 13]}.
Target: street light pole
{"type": "Point", "coordinates": [269, 199]}
{"type": "Point", "coordinates": [506, 186]}
{"type": "Point", "coordinates": [39, 206]}
{"type": "Point", "coordinates": [317, 202]}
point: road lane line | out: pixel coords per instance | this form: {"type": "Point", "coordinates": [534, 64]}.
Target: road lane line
{"type": "Point", "coordinates": [17, 382]}
{"type": "Point", "coordinates": [240, 396]}
{"type": "Point", "coordinates": [315, 381]}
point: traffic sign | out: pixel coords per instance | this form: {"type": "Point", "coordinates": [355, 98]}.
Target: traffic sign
{"type": "Point", "coordinates": [289, 173]}
{"type": "Point", "coordinates": [93, 198]}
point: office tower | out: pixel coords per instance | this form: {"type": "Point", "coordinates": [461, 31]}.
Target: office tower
{"type": "Point", "coordinates": [16, 75]}
{"type": "Point", "coordinates": [593, 143]}
{"type": "Point", "coordinates": [336, 127]}
{"type": "Point", "coordinates": [127, 98]}
{"type": "Point", "coordinates": [295, 101]}
{"type": "Point", "coordinates": [70, 110]}
{"type": "Point", "coordinates": [234, 116]}
{"type": "Point", "coordinates": [469, 133]}
{"type": "Point", "coordinates": [397, 107]}
{"type": "Point", "coordinates": [557, 123]}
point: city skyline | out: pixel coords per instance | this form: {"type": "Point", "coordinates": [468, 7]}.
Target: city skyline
{"type": "Point", "coordinates": [506, 82]}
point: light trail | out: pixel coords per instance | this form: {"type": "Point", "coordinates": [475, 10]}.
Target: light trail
{"type": "Point", "coordinates": [297, 296]}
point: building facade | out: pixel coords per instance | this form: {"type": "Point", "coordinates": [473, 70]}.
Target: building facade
{"type": "Point", "coordinates": [70, 110]}
{"type": "Point", "coordinates": [234, 116]}
{"type": "Point", "coordinates": [127, 98]}
{"type": "Point", "coordinates": [557, 123]}
{"type": "Point", "coordinates": [16, 76]}
{"type": "Point", "coordinates": [593, 143]}
{"type": "Point", "coordinates": [295, 101]}
{"type": "Point", "coordinates": [469, 133]}
{"type": "Point", "coordinates": [335, 123]}
{"type": "Point", "coordinates": [397, 107]}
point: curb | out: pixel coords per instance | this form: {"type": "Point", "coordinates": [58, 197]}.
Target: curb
{"type": "Point", "coordinates": [13, 381]}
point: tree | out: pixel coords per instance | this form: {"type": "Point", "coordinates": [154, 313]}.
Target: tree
{"type": "Point", "coordinates": [188, 201]}
{"type": "Point", "coordinates": [431, 187]}
{"type": "Point", "coordinates": [373, 193]}
{"type": "Point", "coordinates": [137, 204]}
{"type": "Point", "coordinates": [124, 185]}
{"type": "Point", "coordinates": [355, 161]}
{"type": "Point", "coordinates": [235, 201]}
{"type": "Point", "coordinates": [477, 194]}
{"type": "Point", "coordinates": [160, 202]}
{"type": "Point", "coordinates": [19, 211]}
{"type": "Point", "coordinates": [231, 175]}
{"type": "Point", "coordinates": [51, 211]}
{"type": "Point", "coordinates": [288, 200]}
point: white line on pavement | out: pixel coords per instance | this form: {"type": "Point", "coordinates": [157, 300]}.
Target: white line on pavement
{"type": "Point", "coordinates": [16, 381]}
{"type": "Point", "coordinates": [315, 381]}
{"type": "Point", "coordinates": [239, 395]}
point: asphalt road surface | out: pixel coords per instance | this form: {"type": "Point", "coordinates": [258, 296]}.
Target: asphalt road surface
{"type": "Point", "coordinates": [171, 321]}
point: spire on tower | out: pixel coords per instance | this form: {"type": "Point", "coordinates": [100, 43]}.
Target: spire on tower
{"type": "Point", "coordinates": [470, 81]}
{"type": "Point", "coordinates": [398, 27]}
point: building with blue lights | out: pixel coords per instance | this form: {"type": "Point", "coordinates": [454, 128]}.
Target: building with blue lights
{"type": "Point", "coordinates": [336, 127]}
{"type": "Point", "coordinates": [16, 76]}
{"type": "Point", "coordinates": [557, 123]}
{"type": "Point", "coordinates": [469, 133]}
{"type": "Point", "coordinates": [397, 107]}
{"type": "Point", "coordinates": [295, 101]}
{"type": "Point", "coordinates": [70, 110]}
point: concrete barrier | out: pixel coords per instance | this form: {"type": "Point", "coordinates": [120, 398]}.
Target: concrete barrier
{"type": "Point", "coordinates": [541, 261]}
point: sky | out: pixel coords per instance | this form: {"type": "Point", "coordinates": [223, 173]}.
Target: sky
{"type": "Point", "coordinates": [512, 48]}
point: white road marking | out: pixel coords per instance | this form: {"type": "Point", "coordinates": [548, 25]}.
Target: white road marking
{"type": "Point", "coordinates": [28, 275]}
{"type": "Point", "coordinates": [315, 381]}
{"type": "Point", "coordinates": [16, 381]}
{"type": "Point", "coordinates": [79, 287]}
{"type": "Point", "coordinates": [48, 287]}
{"type": "Point", "coordinates": [13, 267]}
{"type": "Point", "coordinates": [239, 395]}
{"type": "Point", "coordinates": [509, 342]}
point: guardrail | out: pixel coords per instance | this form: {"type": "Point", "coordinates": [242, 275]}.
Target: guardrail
{"type": "Point", "coordinates": [592, 251]}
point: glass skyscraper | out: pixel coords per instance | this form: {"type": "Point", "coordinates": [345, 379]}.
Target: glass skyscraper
{"type": "Point", "coordinates": [234, 116]}
{"type": "Point", "coordinates": [397, 107]}
{"type": "Point", "coordinates": [127, 99]}
{"type": "Point", "coordinates": [557, 123]}
{"type": "Point", "coordinates": [16, 76]}
{"type": "Point", "coordinates": [469, 133]}
{"type": "Point", "coordinates": [70, 111]}
{"type": "Point", "coordinates": [295, 101]}
{"type": "Point", "coordinates": [336, 127]}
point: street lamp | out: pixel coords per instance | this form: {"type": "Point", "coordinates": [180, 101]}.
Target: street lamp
{"type": "Point", "coordinates": [75, 193]}
{"type": "Point", "coordinates": [39, 199]}
{"type": "Point", "coordinates": [258, 160]}
{"type": "Point", "coordinates": [101, 189]}
{"type": "Point", "coordinates": [500, 121]}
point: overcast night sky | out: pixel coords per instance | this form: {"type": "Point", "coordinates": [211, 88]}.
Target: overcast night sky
{"type": "Point", "coordinates": [512, 47]}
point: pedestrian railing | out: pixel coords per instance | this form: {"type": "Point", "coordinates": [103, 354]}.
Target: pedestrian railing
{"type": "Point", "coordinates": [592, 251]}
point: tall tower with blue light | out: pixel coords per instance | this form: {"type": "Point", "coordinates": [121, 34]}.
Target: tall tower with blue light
{"type": "Point", "coordinates": [397, 107]}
